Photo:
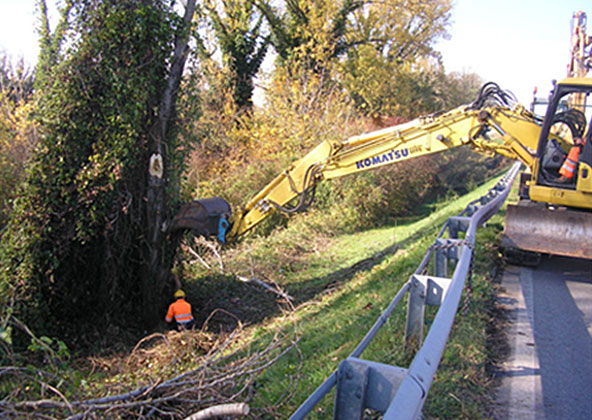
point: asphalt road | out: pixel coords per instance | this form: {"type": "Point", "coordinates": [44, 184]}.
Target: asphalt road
{"type": "Point", "coordinates": [548, 374]}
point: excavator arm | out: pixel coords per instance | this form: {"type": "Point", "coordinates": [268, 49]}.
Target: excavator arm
{"type": "Point", "coordinates": [517, 133]}
{"type": "Point", "coordinates": [554, 214]}
{"type": "Point", "coordinates": [424, 136]}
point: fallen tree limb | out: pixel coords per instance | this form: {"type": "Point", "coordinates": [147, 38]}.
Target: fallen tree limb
{"type": "Point", "coordinates": [234, 410]}
{"type": "Point", "coordinates": [213, 248]}
{"type": "Point", "coordinates": [266, 286]}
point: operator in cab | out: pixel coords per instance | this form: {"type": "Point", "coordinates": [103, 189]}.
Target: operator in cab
{"type": "Point", "coordinates": [180, 311]}
{"type": "Point", "coordinates": [570, 165]}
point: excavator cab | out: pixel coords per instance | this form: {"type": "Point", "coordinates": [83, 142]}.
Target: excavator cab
{"type": "Point", "coordinates": [554, 214]}
{"type": "Point", "coordinates": [565, 127]}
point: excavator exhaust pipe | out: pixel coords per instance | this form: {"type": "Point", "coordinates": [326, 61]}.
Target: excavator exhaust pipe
{"type": "Point", "coordinates": [208, 217]}
{"type": "Point", "coordinates": [539, 229]}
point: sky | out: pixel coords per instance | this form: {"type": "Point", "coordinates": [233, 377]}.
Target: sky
{"type": "Point", "coordinates": [519, 44]}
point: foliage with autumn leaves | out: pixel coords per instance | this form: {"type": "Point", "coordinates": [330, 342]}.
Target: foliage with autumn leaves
{"type": "Point", "coordinates": [74, 233]}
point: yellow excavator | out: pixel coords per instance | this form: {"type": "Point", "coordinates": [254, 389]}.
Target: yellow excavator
{"type": "Point", "coordinates": [553, 216]}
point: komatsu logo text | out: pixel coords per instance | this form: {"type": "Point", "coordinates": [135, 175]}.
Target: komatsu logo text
{"type": "Point", "coordinates": [384, 158]}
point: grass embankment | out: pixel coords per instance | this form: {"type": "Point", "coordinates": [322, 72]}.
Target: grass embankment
{"type": "Point", "coordinates": [340, 285]}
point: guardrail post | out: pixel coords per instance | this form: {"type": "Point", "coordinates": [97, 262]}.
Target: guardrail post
{"type": "Point", "coordinates": [446, 250]}
{"type": "Point", "coordinates": [415, 313]}
{"type": "Point", "coordinates": [441, 258]}
{"type": "Point", "coordinates": [488, 197]}
{"type": "Point", "coordinates": [365, 384]}
{"type": "Point", "coordinates": [352, 380]}
{"type": "Point", "coordinates": [425, 290]}
{"type": "Point", "coordinates": [457, 224]}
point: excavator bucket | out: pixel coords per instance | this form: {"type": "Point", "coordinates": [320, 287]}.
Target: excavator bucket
{"type": "Point", "coordinates": [539, 229]}
{"type": "Point", "coordinates": [203, 217]}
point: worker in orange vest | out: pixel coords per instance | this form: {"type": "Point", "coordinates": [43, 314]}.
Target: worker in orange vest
{"type": "Point", "coordinates": [570, 165]}
{"type": "Point", "coordinates": [180, 311]}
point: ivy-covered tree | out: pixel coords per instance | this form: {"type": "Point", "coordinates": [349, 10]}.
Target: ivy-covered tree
{"type": "Point", "coordinates": [86, 246]}
{"type": "Point", "coordinates": [50, 43]}
{"type": "Point", "coordinates": [309, 31]}
{"type": "Point", "coordinates": [238, 30]}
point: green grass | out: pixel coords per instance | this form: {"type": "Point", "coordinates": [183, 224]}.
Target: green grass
{"type": "Point", "coordinates": [342, 289]}
{"type": "Point", "coordinates": [340, 285]}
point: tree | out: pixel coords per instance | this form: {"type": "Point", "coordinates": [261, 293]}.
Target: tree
{"type": "Point", "coordinates": [50, 44]}
{"type": "Point", "coordinates": [381, 87]}
{"type": "Point", "coordinates": [461, 88]}
{"type": "Point", "coordinates": [16, 80]}
{"type": "Point", "coordinates": [238, 29]}
{"type": "Point", "coordinates": [155, 273]}
{"type": "Point", "coordinates": [321, 31]}
{"type": "Point", "coordinates": [401, 30]}
{"type": "Point", "coordinates": [391, 67]}
{"type": "Point", "coordinates": [310, 31]}
{"type": "Point", "coordinates": [86, 241]}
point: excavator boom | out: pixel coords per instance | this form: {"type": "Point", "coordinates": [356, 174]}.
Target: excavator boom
{"type": "Point", "coordinates": [494, 124]}
{"type": "Point", "coordinates": [555, 212]}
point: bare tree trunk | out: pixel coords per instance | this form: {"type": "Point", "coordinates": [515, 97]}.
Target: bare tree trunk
{"type": "Point", "coordinates": [157, 267]}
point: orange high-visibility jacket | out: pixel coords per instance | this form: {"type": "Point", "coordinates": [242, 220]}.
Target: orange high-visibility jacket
{"type": "Point", "coordinates": [570, 164]}
{"type": "Point", "coordinates": [180, 310]}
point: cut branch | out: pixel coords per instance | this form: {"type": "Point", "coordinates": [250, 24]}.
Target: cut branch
{"type": "Point", "coordinates": [219, 380]}
{"type": "Point", "coordinates": [233, 410]}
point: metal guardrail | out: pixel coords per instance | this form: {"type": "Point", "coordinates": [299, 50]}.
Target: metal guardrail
{"type": "Point", "coordinates": [396, 392]}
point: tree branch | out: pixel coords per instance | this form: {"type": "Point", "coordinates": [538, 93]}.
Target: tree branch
{"type": "Point", "coordinates": [233, 410]}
